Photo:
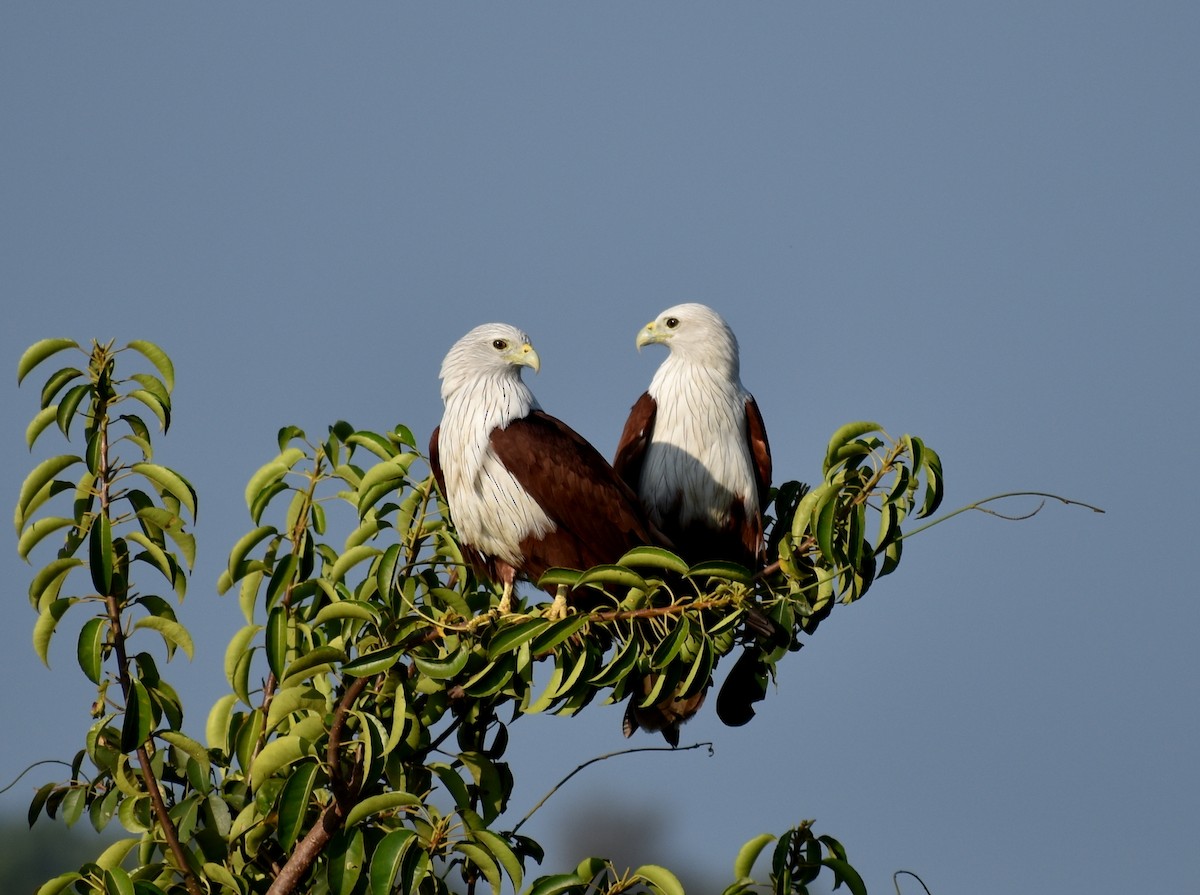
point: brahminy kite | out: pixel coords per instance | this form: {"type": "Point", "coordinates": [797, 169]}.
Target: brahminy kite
{"type": "Point", "coordinates": [695, 450]}
{"type": "Point", "coordinates": [526, 492]}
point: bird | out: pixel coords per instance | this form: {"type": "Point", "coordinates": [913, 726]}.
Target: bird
{"type": "Point", "coordinates": [695, 450]}
{"type": "Point", "coordinates": [526, 492]}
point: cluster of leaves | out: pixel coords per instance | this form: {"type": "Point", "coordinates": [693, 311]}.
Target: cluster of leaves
{"type": "Point", "coordinates": [361, 745]}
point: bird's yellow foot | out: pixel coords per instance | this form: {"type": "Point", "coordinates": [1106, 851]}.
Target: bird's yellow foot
{"type": "Point", "coordinates": [558, 609]}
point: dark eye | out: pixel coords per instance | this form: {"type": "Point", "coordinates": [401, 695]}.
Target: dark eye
{"type": "Point", "coordinates": [499, 344]}
{"type": "Point", "coordinates": [672, 322]}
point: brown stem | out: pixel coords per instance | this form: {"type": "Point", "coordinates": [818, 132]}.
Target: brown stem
{"type": "Point", "coordinates": [114, 605]}
{"type": "Point", "coordinates": [333, 817]}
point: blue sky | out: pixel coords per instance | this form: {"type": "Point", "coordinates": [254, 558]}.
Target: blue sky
{"type": "Point", "coordinates": [979, 224]}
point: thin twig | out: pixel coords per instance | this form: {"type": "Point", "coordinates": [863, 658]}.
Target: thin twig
{"type": "Point", "coordinates": [604, 757]}
{"type": "Point", "coordinates": [17, 779]}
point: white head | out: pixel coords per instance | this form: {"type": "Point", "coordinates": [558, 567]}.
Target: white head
{"type": "Point", "coordinates": [695, 334]}
{"type": "Point", "coordinates": [493, 351]}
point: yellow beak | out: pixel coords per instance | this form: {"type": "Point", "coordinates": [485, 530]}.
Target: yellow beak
{"type": "Point", "coordinates": [526, 356]}
{"type": "Point", "coordinates": [647, 335]}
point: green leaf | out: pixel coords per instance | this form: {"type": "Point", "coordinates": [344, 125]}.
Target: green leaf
{"type": "Point", "coordinates": [277, 640]}
{"type": "Point", "coordinates": [660, 879]}
{"type": "Point", "coordinates": [156, 406]}
{"type": "Point", "coordinates": [669, 647]}
{"type": "Point", "coordinates": [557, 632]}
{"type": "Point", "coordinates": [39, 529]}
{"type": "Point", "coordinates": [43, 628]}
{"type": "Point", "coordinates": [175, 634]}
{"type": "Point", "coordinates": [350, 559]}
{"type": "Point", "coordinates": [236, 653]}
{"type": "Point", "coordinates": [68, 406]}
{"type": "Point", "coordinates": [845, 434]}
{"type": "Point", "coordinates": [483, 862]}
{"type": "Point", "coordinates": [57, 382]}
{"type": "Point", "coordinates": [139, 717]}
{"type": "Point", "coordinates": [558, 576]}
{"type": "Point", "coordinates": [276, 755]}
{"type": "Point", "coordinates": [90, 649]}
{"type": "Point", "coordinates": [117, 882]}
{"type": "Point", "coordinates": [188, 747]}
{"type": "Point", "coordinates": [503, 852]}
{"type": "Point", "coordinates": [100, 554]}
{"type": "Point", "coordinates": [216, 727]}
{"type": "Point", "coordinates": [614, 575]}
{"type": "Point", "coordinates": [743, 864]}
{"type": "Point", "coordinates": [158, 357]}
{"type": "Point", "coordinates": [270, 473]}
{"type": "Point", "coordinates": [387, 801]}
{"type": "Point", "coordinates": [934, 487]}
{"type": "Point", "coordinates": [387, 860]}
{"type": "Point", "coordinates": [40, 422]}
{"type": "Point", "coordinates": [43, 474]}
{"type": "Point", "coordinates": [294, 801]}
{"type": "Point", "coordinates": [443, 668]}
{"type": "Point", "coordinates": [377, 444]}
{"type": "Point", "coordinates": [310, 663]}
{"type": "Point", "coordinates": [219, 874]}
{"type": "Point", "coordinates": [511, 636]}
{"type": "Point", "coordinates": [358, 610]}
{"type": "Point", "coordinates": [558, 884]}
{"type": "Point", "coordinates": [293, 698]}
{"type": "Point", "coordinates": [655, 558]}
{"type": "Point", "coordinates": [344, 862]}
{"type": "Point", "coordinates": [157, 557]}
{"type": "Point", "coordinates": [169, 482]}
{"type": "Point", "coordinates": [825, 532]}
{"type": "Point", "coordinates": [115, 854]}
{"type": "Point", "coordinates": [49, 580]}
{"type": "Point", "coordinates": [374, 662]}
{"type": "Point", "coordinates": [38, 352]}
{"type": "Point", "coordinates": [844, 873]}
{"type": "Point", "coordinates": [244, 545]}
{"type": "Point", "coordinates": [727, 571]}
{"type": "Point", "coordinates": [490, 679]}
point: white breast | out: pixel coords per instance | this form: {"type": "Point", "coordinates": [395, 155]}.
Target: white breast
{"type": "Point", "coordinates": [491, 510]}
{"type": "Point", "coordinates": [698, 452]}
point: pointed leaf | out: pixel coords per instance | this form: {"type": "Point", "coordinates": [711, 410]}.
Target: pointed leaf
{"type": "Point", "coordinates": [43, 628]}
{"type": "Point", "coordinates": [38, 352]}
{"type": "Point", "coordinates": [844, 873]}
{"type": "Point", "coordinates": [387, 801]}
{"type": "Point", "coordinates": [278, 754]}
{"type": "Point", "coordinates": [172, 632]}
{"type": "Point", "coordinates": [743, 864]}
{"type": "Point", "coordinates": [90, 650]}
{"type": "Point", "coordinates": [169, 482]}
{"type": "Point", "coordinates": [100, 554]}
{"type": "Point", "coordinates": [660, 879]}
{"type": "Point", "coordinates": [655, 558]}
{"type": "Point", "coordinates": [614, 575]}
{"type": "Point", "coordinates": [374, 662]}
{"type": "Point", "coordinates": [158, 357]}
{"type": "Point", "coordinates": [387, 860]}
{"type": "Point", "coordinates": [294, 801]}
{"type": "Point", "coordinates": [40, 422]}
{"type": "Point", "coordinates": [38, 530]}
{"type": "Point", "coordinates": [139, 717]}
{"type": "Point", "coordinates": [845, 434]}
{"type": "Point", "coordinates": [41, 476]}
{"type": "Point", "coordinates": [558, 884]}
{"type": "Point", "coordinates": [216, 728]}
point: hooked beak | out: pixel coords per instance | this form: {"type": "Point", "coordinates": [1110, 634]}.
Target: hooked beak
{"type": "Point", "coordinates": [647, 335]}
{"type": "Point", "coordinates": [526, 356]}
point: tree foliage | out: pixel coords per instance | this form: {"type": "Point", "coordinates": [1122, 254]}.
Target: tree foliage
{"type": "Point", "coordinates": [360, 747]}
